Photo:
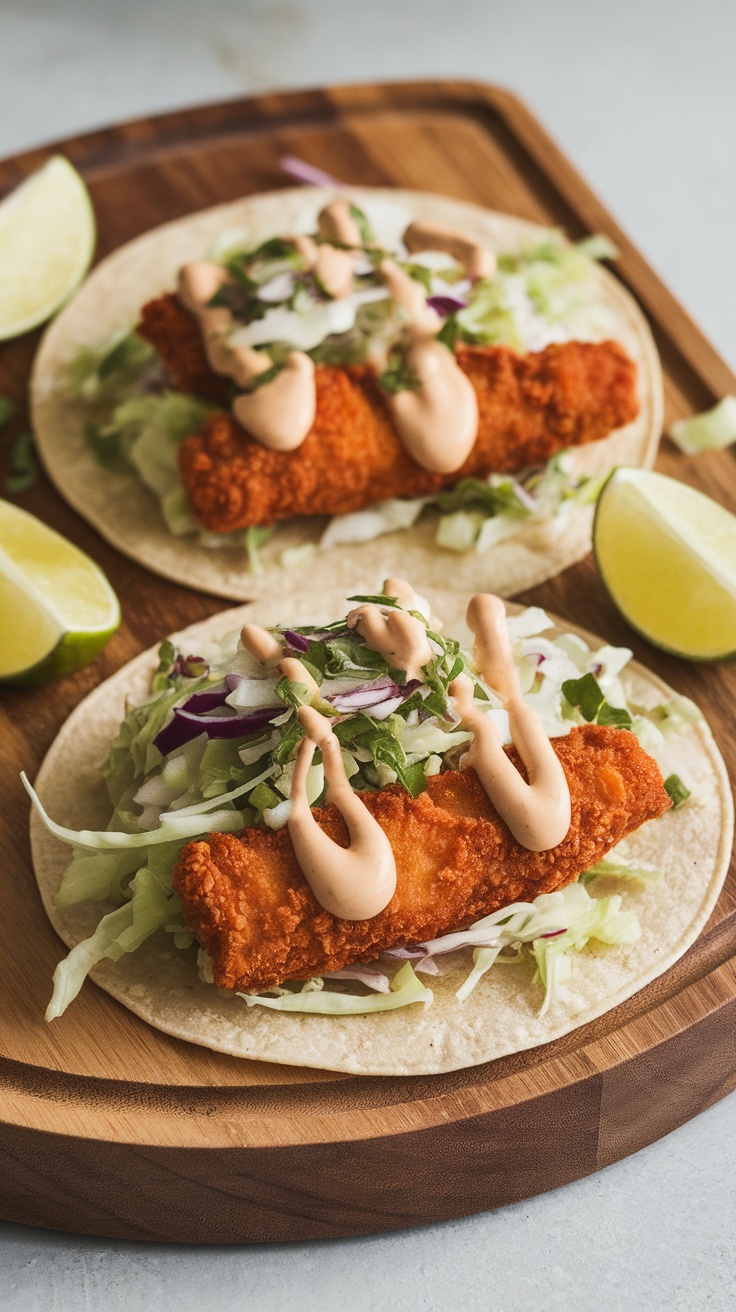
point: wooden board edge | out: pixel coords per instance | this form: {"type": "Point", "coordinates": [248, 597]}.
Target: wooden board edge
{"type": "Point", "coordinates": [155, 1117]}
{"type": "Point", "coordinates": [319, 1191]}
{"type": "Point", "coordinates": [89, 151]}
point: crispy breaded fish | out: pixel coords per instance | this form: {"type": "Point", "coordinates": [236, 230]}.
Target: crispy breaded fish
{"type": "Point", "coordinates": [249, 905]}
{"type": "Point", "coordinates": [530, 407]}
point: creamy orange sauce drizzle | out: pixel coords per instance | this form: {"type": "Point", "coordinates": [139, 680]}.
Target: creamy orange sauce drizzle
{"type": "Point", "coordinates": [336, 223]}
{"type": "Point", "coordinates": [428, 235]}
{"type": "Point", "coordinates": [269, 652]}
{"type": "Point", "coordinates": [306, 247]}
{"type": "Point", "coordinates": [333, 270]}
{"type": "Point", "coordinates": [353, 883]}
{"type": "Point", "coordinates": [398, 637]}
{"type": "Point", "coordinates": [438, 420]}
{"type": "Point", "coordinates": [537, 812]}
{"type": "Point", "coordinates": [261, 644]}
{"type": "Point", "coordinates": [407, 598]}
{"type": "Point", "coordinates": [279, 413]}
{"type": "Point", "coordinates": [297, 673]}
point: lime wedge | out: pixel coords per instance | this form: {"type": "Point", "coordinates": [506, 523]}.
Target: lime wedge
{"type": "Point", "coordinates": [667, 556]}
{"type": "Point", "coordinates": [47, 237]}
{"type": "Point", "coordinates": [58, 608]}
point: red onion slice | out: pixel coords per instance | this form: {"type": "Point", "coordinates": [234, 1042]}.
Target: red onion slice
{"type": "Point", "coordinates": [296, 641]}
{"type": "Point", "coordinates": [365, 694]}
{"type": "Point", "coordinates": [307, 173]}
{"type": "Point", "coordinates": [209, 700]}
{"type": "Point", "coordinates": [191, 667]}
{"type": "Point", "coordinates": [445, 305]}
{"type": "Point", "coordinates": [373, 979]}
{"type": "Point", "coordinates": [185, 725]}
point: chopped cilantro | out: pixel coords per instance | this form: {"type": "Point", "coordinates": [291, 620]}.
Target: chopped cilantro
{"type": "Point", "coordinates": [23, 465]}
{"type": "Point", "coordinates": [364, 227]}
{"type": "Point", "coordinates": [266, 376]}
{"type": "Point", "coordinates": [106, 445]}
{"type": "Point", "coordinates": [377, 599]}
{"type": "Point", "coordinates": [586, 696]}
{"type": "Point", "coordinates": [8, 410]}
{"type": "Point", "coordinates": [420, 273]}
{"type": "Point", "coordinates": [449, 332]}
{"type": "Point", "coordinates": [398, 376]}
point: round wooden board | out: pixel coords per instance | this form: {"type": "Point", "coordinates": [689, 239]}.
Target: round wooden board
{"type": "Point", "coordinates": [209, 1149]}
{"type": "Point", "coordinates": [108, 1127]}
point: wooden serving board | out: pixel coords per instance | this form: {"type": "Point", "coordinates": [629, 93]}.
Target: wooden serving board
{"type": "Point", "coordinates": [111, 1128]}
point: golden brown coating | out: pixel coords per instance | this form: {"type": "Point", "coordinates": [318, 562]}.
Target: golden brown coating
{"type": "Point", "coordinates": [530, 406]}
{"type": "Point", "coordinates": [249, 905]}
{"type": "Point", "coordinates": [175, 336]}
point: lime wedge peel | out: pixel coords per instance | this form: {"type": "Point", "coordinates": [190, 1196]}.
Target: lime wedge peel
{"type": "Point", "coordinates": [59, 609]}
{"type": "Point", "coordinates": [47, 239]}
{"type": "Point", "coordinates": [667, 556]}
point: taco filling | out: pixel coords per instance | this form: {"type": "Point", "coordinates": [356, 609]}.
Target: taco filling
{"type": "Point", "coordinates": [332, 374]}
{"type": "Point", "coordinates": [323, 811]}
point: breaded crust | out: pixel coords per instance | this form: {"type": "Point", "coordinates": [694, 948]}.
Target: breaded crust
{"type": "Point", "coordinates": [245, 898]}
{"type": "Point", "coordinates": [530, 406]}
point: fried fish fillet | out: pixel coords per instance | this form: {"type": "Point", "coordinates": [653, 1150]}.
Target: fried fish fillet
{"type": "Point", "coordinates": [249, 905]}
{"type": "Point", "coordinates": [530, 406]}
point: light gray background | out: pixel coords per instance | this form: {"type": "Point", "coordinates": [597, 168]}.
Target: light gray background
{"type": "Point", "coordinates": [642, 96]}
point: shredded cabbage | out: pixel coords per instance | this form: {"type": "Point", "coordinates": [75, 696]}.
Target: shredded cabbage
{"type": "Point", "coordinates": [366, 525]}
{"type": "Point", "coordinates": [405, 990]}
{"type": "Point", "coordinates": [534, 298]}
{"type": "Point", "coordinates": [709, 431]}
{"type": "Point", "coordinates": [387, 730]}
{"type": "Point", "coordinates": [551, 926]}
{"type": "Point", "coordinates": [152, 906]}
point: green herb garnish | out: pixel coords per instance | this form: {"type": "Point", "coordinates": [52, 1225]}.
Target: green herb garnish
{"type": "Point", "coordinates": [8, 410]}
{"type": "Point", "coordinates": [23, 465]}
{"type": "Point", "coordinates": [586, 696]}
{"type": "Point", "coordinates": [106, 444]}
{"type": "Point", "coordinates": [676, 789]}
{"type": "Point", "coordinates": [398, 376]}
{"type": "Point", "coordinates": [266, 376]}
{"type": "Point", "coordinates": [364, 227]}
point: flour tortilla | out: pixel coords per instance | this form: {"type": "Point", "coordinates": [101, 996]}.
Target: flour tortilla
{"type": "Point", "coordinates": [691, 847]}
{"type": "Point", "coordinates": [128, 515]}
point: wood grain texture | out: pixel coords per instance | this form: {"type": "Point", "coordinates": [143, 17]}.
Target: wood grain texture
{"type": "Point", "coordinates": [108, 1127]}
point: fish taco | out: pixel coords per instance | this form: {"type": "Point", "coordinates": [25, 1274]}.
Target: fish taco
{"type": "Point", "coordinates": [382, 836]}
{"type": "Point", "coordinates": [301, 380]}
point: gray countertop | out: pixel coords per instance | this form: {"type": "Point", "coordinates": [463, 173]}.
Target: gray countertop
{"type": "Point", "coordinates": [642, 96]}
